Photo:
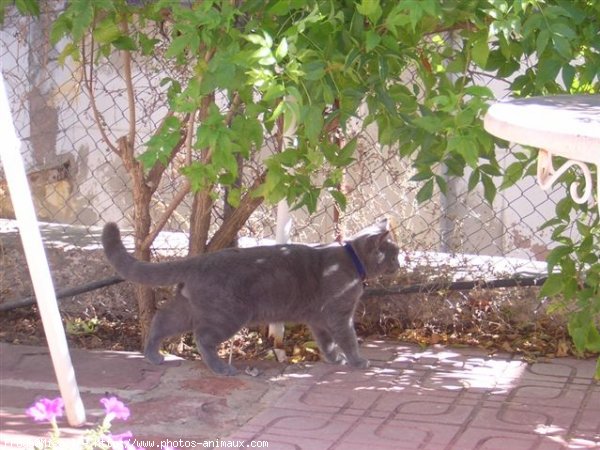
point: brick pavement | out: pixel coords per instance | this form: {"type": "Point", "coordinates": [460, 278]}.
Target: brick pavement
{"type": "Point", "coordinates": [411, 398]}
{"type": "Point", "coordinates": [436, 398]}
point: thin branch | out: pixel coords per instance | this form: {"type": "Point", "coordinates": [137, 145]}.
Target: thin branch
{"type": "Point", "coordinates": [125, 151]}
{"type": "Point", "coordinates": [178, 198]}
{"type": "Point", "coordinates": [156, 173]}
{"type": "Point", "coordinates": [189, 137]}
{"type": "Point", "coordinates": [161, 222]}
{"type": "Point", "coordinates": [129, 85]}
{"type": "Point", "coordinates": [206, 102]}
{"type": "Point", "coordinates": [235, 104]}
{"type": "Point", "coordinates": [89, 84]}
{"type": "Point", "coordinates": [239, 216]}
{"type": "Point", "coordinates": [469, 26]}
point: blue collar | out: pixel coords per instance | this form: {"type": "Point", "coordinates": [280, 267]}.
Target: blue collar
{"type": "Point", "coordinates": [356, 260]}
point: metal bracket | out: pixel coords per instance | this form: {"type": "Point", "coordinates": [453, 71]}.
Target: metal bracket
{"type": "Point", "coordinates": [547, 176]}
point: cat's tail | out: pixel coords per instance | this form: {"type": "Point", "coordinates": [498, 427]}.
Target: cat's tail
{"type": "Point", "coordinates": [155, 274]}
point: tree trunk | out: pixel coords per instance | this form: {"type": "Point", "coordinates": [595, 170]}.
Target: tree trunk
{"type": "Point", "coordinates": [200, 222]}
{"type": "Point", "coordinates": [142, 222]}
{"type": "Point", "coordinates": [237, 218]}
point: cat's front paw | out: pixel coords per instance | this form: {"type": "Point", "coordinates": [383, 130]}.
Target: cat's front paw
{"type": "Point", "coordinates": [230, 371]}
{"type": "Point", "coordinates": [221, 368]}
{"type": "Point", "coordinates": [334, 357]}
{"type": "Point", "coordinates": [360, 363]}
{"type": "Point", "coordinates": [154, 357]}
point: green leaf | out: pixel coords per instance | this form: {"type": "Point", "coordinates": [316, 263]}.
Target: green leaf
{"type": "Point", "coordinates": [282, 49]}
{"type": "Point", "coordinates": [160, 145]}
{"type": "Point", "coordinates": [563, 46]}
{"type": "Point", "coordinates": [314, 70]}
{"type": "Point", "coordinates": [584, 332]}
{"type": "Point", "coordinates": [274, 91]}
{"type": "Point", "coordinates": [256, 39]}
{"type": "Point", "coordinates": [178, 46]}
{"type": "Point", "coordinates": [339, 198]}
{"type": "Point", "coordinates": [489, 188]}
{"type": "Point", "coordinates": [81, 14]}
{"type": "Point", "coordinates": [442, 183]}
{"type": "Point", "coordinates": [542, 41]}
{"type": "Point", "coordinates": [107, 31]}
{"type": "Point", "coordinates": [372, 40]}
{"type": "Point", "coordinates": [465, 147]}
{"type": "Point", "coordinates": [28, 7]}
{"type": "Point", "coordinates": [422, 175]}
{"type": "Point", "coordinates": [512, 175]}
{"type": "Point", "coordinates": [281, 8]}
{"type": "Point", "coordinates": [61, 27]}
{"type": "Point", "coordinates": [473, 180]}
{"type": "Point", "coordinates": [479, 91]}
{"type": "Point", "coordinates": [548, 70]}
{"type": "Point", "coordinates": [426, 192]}
{"type": "Point", "coordinates": [568, 76]}
{"type": "Point", "coordinates": [292, 114]}
{"type": "Point", "coordinates": [346, 154]}
{"type": "Point", "coordinates": [124, 43]}
{"type": "Point", "coordinates": [313, 123]}
{"type": "Point", "coordinates": [553, 285]}
{"type": "Point", "coordinates": [234, 196]}
{"type": "Point", "coordinates": [223, 157]}
{"type": "Point", "coordinates": [69, 51]}
{"type": "Point", "coordinates": [563, 209]}
{"type": "Point", "coordinates": [430, 123]}
{"type": "Point", "coordinates": [370, 9]}
{"type": "Point", "coordinates": [147, 44]}
{"type": "Point", "coordinates": [200, 175]}
{"type": "Point", "coordinates": [556, 255]}
{"type": "Point", "coordinates": [481, 51]}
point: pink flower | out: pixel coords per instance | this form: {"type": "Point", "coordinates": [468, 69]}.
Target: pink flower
{"type": "Point", "coordinates": [46, 409]}
{"type": "Point", "coordinates": [115, 409]}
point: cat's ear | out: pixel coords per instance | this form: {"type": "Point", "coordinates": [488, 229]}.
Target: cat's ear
{"type": "Point", "coordinates": [378, 239]}
{"type": "Point", "coordinates": [383, 224]}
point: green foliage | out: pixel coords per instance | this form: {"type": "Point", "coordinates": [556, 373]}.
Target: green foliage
{"type": "Point", "coordinates": [312, 64]}
{"type": "Point", "coordinates": [25, 7]}
{"type": "Point", "coordinates": [574, 265]}
{"type": "Point", "coordinates": [305, 68]}
{"type": "Point", "coordinates": [562, 37]}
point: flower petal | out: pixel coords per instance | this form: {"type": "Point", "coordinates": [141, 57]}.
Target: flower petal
{"type": "Point", "coordinates": [115, 408]}
{"type": "Point", "coordinates": [46, 409]}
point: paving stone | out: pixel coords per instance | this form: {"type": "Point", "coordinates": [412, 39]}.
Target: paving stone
{"type": "Point", "coordinates": [438, 398]}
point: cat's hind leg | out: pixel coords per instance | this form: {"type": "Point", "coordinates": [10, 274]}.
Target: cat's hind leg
{"type": "Point", "coordinates": [208, 336]}
{"type": "Point", "coordinates": [171, 320]}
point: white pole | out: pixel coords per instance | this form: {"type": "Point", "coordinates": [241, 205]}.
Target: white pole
{"type": "Point", "coordinates": [39, 271]}
{"type": "Point", "coordinates": [284, 223]}
{"type": "Point", "coordinates": [282, 236]}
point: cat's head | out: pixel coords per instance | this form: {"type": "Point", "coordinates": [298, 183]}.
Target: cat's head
{"type": "Point", "coordinates": [376, 250]}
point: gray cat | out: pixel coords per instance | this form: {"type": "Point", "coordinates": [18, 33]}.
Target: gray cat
{"type": "Point", "coordinates": [219, 293]}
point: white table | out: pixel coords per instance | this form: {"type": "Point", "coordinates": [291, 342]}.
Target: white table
{"type": "Point", "coordinates": [562, 125]}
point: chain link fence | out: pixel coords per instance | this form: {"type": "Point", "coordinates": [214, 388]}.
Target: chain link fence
{"type": "Point", "coordinates": [79, 184]}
